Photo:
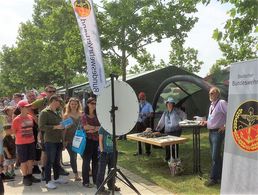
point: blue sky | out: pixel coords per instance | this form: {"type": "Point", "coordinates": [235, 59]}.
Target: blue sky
{"type": "Point", "coordinates": [13, 12]}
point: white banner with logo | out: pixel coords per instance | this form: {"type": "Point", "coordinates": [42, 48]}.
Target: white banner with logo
{"type": "Point", "coordinates": [85, 15]}
{"type": "Point", "coordinates": [240, 161]}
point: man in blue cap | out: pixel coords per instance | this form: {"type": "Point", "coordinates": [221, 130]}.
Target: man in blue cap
{"type": "Point", "coordinates": [170, 120]}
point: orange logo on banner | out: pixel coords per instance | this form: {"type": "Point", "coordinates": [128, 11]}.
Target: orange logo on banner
{"type": "Point", "coordinates": [245, 126]}
{"type": "Point", "coordinates": [82, 7]}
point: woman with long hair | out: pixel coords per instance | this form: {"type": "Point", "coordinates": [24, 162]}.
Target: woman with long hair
{"type": "Point", "coordinates": [91, 126]}
{"type": "Point", "coordinates": [73, 110]}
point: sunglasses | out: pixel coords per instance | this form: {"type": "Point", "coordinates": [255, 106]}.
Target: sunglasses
{"type": "Point", "coordinates": [93, 103]}
{"type": "Point", "coordinates": [51, 91]}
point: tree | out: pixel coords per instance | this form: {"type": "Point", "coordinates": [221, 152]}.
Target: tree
{"type": "Point", "coordinates": [184, 58]}
{"type": "Point", "coordinates": [238, 41]}
{"type": "Point", "coordinates": [126, 27]}
{"type": "Point", "coordinates": [49, 48]}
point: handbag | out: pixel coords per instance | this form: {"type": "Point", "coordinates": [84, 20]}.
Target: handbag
{"type": "Point", "coordinates": [79, 140]}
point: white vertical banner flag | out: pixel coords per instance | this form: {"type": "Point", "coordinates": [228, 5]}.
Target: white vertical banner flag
{"type": "Point", "coordinates": [86, 19]}
{"type": "Point", "coordinates": [240, 160]}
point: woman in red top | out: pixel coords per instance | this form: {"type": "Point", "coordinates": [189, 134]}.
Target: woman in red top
{"type": "Point", "coordinates": [23, 129]}
{"type": "Point", "coordinates": [91, 126]}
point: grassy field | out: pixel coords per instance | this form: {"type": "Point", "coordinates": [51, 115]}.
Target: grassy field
{"type": "Point", "coordinates": [154, 168]}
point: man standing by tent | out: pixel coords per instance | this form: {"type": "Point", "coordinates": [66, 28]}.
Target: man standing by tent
{"type": "Point", "coordinates": [216, 124]}
{"type": "Point", "coordinates": [144, 121]}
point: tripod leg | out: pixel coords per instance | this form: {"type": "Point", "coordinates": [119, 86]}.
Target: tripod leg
{"type": "Point", "coordinates": [109, 176]}
{"type": "Point", "coordinates": [128, 182]}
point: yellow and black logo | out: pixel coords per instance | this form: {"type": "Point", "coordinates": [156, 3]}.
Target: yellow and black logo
{"type": "Point", "coordinates": [82, 7]}
{"type": "Point", "coordinates": [245, 126]}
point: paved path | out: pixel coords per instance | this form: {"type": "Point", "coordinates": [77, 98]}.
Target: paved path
{"type": "Point", "coordinates": [75, 188]}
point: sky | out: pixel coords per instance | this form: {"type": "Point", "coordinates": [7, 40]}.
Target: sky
{"type": "Point", "coordinates": [13, 12]}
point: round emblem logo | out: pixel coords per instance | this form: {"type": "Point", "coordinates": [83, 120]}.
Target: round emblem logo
{"type": "Point", "coordinates": [82, 7]}
{"type": "Point", "coordinates": [245, 126]}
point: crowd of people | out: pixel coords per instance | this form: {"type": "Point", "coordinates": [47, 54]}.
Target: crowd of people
{"type": "Point", "coordinates": [34, 138]}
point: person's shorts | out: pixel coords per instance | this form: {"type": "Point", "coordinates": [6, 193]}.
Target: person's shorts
{"type": "Point", "coordinates": [8, 162]}
{"type": "Point", "coordinates": [26, 152]}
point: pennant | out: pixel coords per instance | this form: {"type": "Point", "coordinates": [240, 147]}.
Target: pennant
{"type": "Point", "coordinates": [86, 19]}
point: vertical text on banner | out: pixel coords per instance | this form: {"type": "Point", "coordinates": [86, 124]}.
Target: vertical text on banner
{"type": "Point", "coordinates": [85, 16]}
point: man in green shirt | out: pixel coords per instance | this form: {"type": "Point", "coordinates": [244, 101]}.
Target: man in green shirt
{"type": "Point", "coordinates": [49, 123]}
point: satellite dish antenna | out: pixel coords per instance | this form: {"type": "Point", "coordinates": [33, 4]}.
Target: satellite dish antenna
{"type": "Point", "coordinates": [118, 98]}
{"type": "Point", "coordinates": [127, 108]}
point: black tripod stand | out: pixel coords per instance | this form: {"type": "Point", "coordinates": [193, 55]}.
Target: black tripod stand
{"type": "Point", "coordinates": [113, 173]}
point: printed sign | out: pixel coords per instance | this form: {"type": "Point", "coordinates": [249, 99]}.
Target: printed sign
{"type": "Point", "coordinates": [240, 161]}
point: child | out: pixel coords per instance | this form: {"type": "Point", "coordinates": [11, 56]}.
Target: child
{"type": "Point", "coordinates": [9, 151]}
{"type": "Point", "coordinates": [106, 158]}
{"type": "Point", "coordinates": [25, 146]}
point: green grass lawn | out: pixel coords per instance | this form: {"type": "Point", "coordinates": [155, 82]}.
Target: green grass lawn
{"type": "Point", "coordinates": [154, 168]}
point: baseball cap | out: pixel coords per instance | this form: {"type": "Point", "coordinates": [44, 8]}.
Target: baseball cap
{"type": "Point", "coordinates": [23, 103]}
{"type": "Point", "coordinates": [141, 95]}
{"type": "Point", "coordinates": [170, 100]}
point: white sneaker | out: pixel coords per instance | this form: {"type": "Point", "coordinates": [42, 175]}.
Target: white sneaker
{"type": "Point", "coordinates": [60, 180]}
{"type": "Point", "coordinates": [50, 185]}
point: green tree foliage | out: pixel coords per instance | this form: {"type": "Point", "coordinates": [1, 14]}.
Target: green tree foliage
{"type": "Point", "coordinates": [49, 48]}
{"type": "Point", "coordinates": [126, 27]}
{"type": "Point", "coordinates": [238, 40]}
{"type": "Point", "coordinates": [184, 58]}
{"type": "Point", "coordinates": [145, 62]}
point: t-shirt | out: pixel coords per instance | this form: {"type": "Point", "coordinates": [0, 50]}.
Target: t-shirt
{"type": "Point", "coordinates": [93, 122]}
{"type": "Point", "coordinates": [23, 128]}
{"type": "Point", "coordinates": [107, 140]}
{"type": "Point", "coordinates": [9, 143]}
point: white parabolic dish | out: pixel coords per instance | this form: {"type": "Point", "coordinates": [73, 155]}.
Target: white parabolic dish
{"type": "Point", "coordinates": [128, 108]}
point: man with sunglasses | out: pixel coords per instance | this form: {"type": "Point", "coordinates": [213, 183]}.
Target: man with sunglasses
{"type": "Point", "coordinates": [144, 121]}
{"type": "Point", "coordinates": [216, 125]}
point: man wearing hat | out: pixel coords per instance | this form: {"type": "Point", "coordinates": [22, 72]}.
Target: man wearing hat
{"type": "Point", "coordinates": [170, 121]}
{"type": "Point", "coordinates": [144, 119]}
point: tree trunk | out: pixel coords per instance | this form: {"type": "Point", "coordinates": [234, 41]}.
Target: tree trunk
{"type": "Point", "coordinates": [124, 65]}
{"type": "Point", "coordinates": [66, 83]}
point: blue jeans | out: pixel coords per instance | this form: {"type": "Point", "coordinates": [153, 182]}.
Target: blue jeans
{"type": "Point", "coordinates": [73, 157]}
{"type": "Point", "coordinates": [90, 154]}
{"type": "Point", "coordinates": [216, 142]}
{"type": "Point", "coordinates": [53, 151]}
{"type": "Point", "coordinates": [105, 159]}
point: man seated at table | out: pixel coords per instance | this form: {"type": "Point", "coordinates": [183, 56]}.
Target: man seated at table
{"type": "Point", "coordinates": [170, 121]}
